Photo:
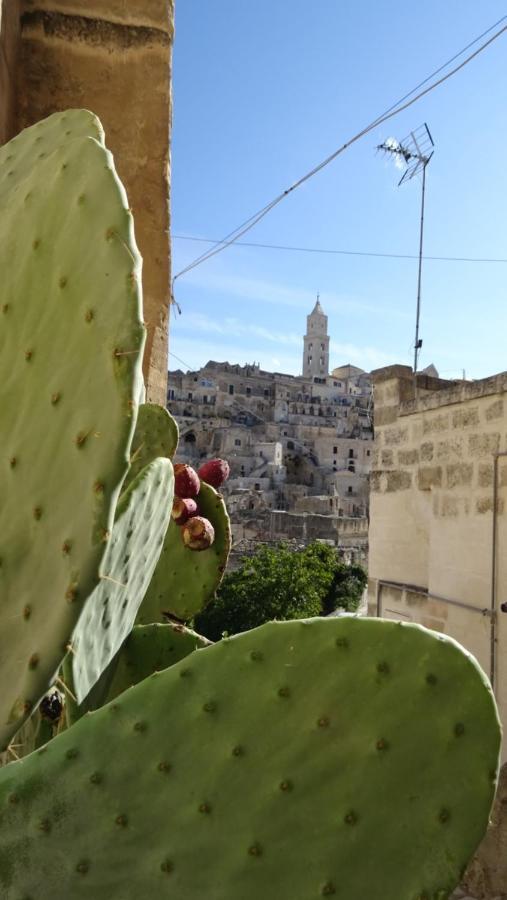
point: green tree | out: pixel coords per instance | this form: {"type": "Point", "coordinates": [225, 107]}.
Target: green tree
{"type": "Point", "coordinates": [282, 583]}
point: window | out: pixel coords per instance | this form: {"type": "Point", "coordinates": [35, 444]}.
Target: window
{"type": "Point", "coordinates": [290, 445]}
{"type": "Point", "coordinates": [351, 466]}
{"type": "Point", "coordinates": [309, 360]}
{"type": "Point", "coordinates": [310, 346]}
{"type": "Point", "coordinates": [231, 389]}
{"type": "Point", "coordinates": [257, 486]}
{"type": "Point", "coordinates": [249, 391]}
{"type": "Point", "coordinates": [205, 398]}
{"type": "Point", "coordinates": [190, 396]}
{"type": "Point", "coordinates": [335, 449]}
{"type": "Point", "coordinates": [266, 392]}
{"type": "Point", "coordinates": [349, 490]}
{"type": "Point", "coordinates": [351, 453]}
{"type": "Point", "coordinates": [322, 347]}
{"type": "Point", "coordinates": [237, 442]}
{"type": "Point", "coordinates": [171, 395]}
{"type": "Point", "coordinates": [331, 502]}
{"type": "Point", "coordinates": [367, 453]}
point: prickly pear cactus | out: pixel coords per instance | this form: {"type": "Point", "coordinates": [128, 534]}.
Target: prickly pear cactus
{"type": "Point", "coordinates": [148, 649]}
{"type": "Point", "coordinates": [152, 648]}
{"type": "Point", "coordinates": [26, 151]}
{"type": "Point", "coordinates": [346, 757]}
{"type": "Point", "coordinates": [141, 521]}
{"type": "Point", "coordinates": [186, 580]}
{"type": "Point", "coordinates": [156, 435]}
{"type": "Point", "coordinates": [71, 340]}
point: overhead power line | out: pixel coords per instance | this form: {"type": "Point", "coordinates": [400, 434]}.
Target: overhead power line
{"type": "Point", "coordinates": [182, 361]}
{"type": "Point", "coordinates": [394, 110]}
{"type": "Point", "coordinates": [330, 250]}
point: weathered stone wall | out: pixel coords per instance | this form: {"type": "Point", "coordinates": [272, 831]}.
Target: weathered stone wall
{"type": "Point", "coordinates": [310, 526]}
{"type": "Point", "coordinates": [433, 508]}
{"type": "Point", "coordinates": [114, 58]}
{"type": "Point", "coordinates": [9, 46]}
{"type": "Point", "coordinates": [486, 876]}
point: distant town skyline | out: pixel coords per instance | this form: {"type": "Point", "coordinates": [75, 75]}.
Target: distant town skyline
{"type": "Point", "coordinates": [244, 131]}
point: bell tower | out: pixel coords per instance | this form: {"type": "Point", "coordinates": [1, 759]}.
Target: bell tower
{"type": "Point", "coordinates": [316, 344]}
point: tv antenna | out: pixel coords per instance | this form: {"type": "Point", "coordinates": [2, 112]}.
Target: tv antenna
{"type": "Point", "coordinates": [413, 154]}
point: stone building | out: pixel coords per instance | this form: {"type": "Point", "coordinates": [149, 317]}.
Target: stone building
{"type": "Point", "coordinates": [438, 539]}
{"type": "Point", "coordinates": [438, 528]}
{"type": "Point", "coordinates": [316, 343]}
{"type": "Point", "coordinates": [295, 444]}
{"type": "Point", "coordinates": [113, 58]}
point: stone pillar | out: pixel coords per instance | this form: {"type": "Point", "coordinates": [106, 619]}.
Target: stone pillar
{"type": "Point", "coordinates": [114, 58]}
{"type": "Point", "coordinates": [9, 45]}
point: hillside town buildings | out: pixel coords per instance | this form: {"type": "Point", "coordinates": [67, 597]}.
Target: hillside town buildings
{"type": "Point", "coordinates": [299, 447]}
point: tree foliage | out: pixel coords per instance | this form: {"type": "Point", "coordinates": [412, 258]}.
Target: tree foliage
{"type": "Point", "coordinates": [282, 583]}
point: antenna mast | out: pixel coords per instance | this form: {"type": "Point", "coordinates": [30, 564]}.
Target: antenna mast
{"type": "Point", "coordinates": [414, 152]}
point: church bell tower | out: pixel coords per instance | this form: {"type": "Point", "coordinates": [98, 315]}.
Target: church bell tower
{"type": "Point", "coordinates": [316, 344]}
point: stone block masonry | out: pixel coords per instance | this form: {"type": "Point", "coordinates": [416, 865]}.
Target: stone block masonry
{"type": "Point", "coordinates": [433, 503]}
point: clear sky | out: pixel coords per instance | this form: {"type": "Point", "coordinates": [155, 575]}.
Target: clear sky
{"type": "Point", "coordinates": [262, 92]}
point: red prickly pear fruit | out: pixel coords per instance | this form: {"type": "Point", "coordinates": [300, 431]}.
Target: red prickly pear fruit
{"type": "Point", "coordinates": [183, 510]}
{"type": "Point", "coordinates": [198, 533]}
{"type": "Point", "coordinates": [214, 472]}
{"type": "Point", "coordinates": [186, 481]}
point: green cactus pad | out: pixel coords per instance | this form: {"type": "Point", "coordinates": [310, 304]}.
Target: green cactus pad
{"type": "Point", "coordinates": [151, 648]}
{"type": "Point", "coordinates": [147, 649]}
{"type": "Point", "coordinates": [26, 151]}
{"type": "Point", "coordinates": [156, 435]}
{"type": "Point", "coordinates": [71, 340]}
{"type": "Point", "coordinates": [186, 580]}
{"type": "Point", "coordinates": [346, 757]}
{"type": "Point", "coordinates": [141, 521]}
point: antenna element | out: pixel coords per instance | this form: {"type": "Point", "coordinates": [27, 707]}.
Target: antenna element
{"type": "Point", "coordinates": [413, 154]}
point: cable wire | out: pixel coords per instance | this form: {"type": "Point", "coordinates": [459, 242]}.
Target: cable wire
{"type": "Point", "coordinates": [468, 259]}
{"type": "Point", "coordinates": [394, 110]}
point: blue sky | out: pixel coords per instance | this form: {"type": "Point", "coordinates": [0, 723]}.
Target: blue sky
{"type": "Point", "coordinates": [262, 92]}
